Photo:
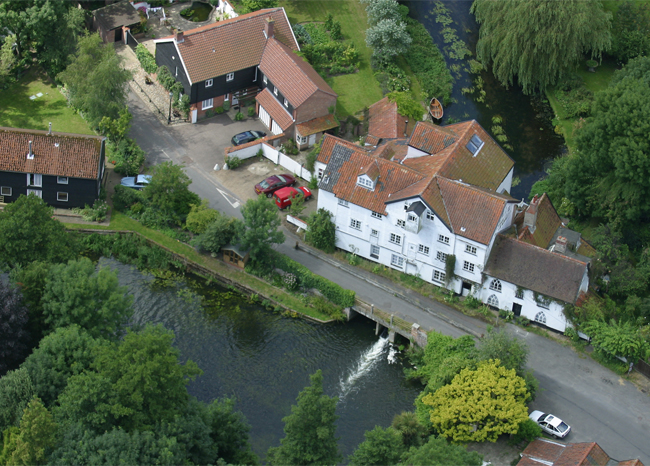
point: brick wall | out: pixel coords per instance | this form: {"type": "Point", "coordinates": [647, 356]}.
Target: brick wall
{"type": "Point", "coordinates": [316, 106]}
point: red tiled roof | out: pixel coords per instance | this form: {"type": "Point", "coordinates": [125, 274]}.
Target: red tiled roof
{"type": "Point", "coordinates": [231, 45]}
{"type": "Point", "coordinates": [549, 453]}
{"type": "Point", "coordinates": [277, 111]}
{"type": "Point", "coordinates": [545, 450]}
{"type": "Point", "coordinates": [547, 223]}
{"type": "Point", "coordinates": [317, 125]}
{"type": "Point", "coordinates": [385, 122]}
{"type": "Point", "coordinates": [392, 150]}
{"type": "Point", "coordinates": [59, 154]}
{"type": "Point", "coordinates": [294, 77]}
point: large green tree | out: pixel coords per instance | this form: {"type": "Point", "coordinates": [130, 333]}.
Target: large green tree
{"type": "Point", "coordinates": [479, 405]}
{"type": "Point", "coordinates": [609, 175]}
{"type": "Point", "coordinates": [16, 390]}
{"type": "Point", "coordinates": [95, 80]}
{"type": "Point", "coordinates": [78, 293]}
{"type": "Point", "coordinates": [13, 328]}
{"type": "Point", "coordinates": [31, 280]}
{"type": "Point", "coordinates": [309, 429]}
{"type": "Point", "coordinates": [535, 43]}
{"type": "Point", "coordinates": [37, 435]}
{"type": "Point", "coordinates": [388, 38]}
{"type": "Point", "coordinates": [29, 233]}
{"type": "Point", "coordinates": [631, 31]}
{"type": "Point", "coordinates": [169, 192]}
{"type": "Point", "coordinates": [380, 447]}
{"type": "Point", "coordinates": [260, 227]}
{"type": "Point", "coordinates": [438, 452]}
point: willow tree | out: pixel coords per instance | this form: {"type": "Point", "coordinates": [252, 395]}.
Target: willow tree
{"type": "Point", "coordinates": [535, 43]}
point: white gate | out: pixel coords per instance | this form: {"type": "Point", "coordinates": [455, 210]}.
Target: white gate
{"type": "Point", "coordinates": [264, 116]}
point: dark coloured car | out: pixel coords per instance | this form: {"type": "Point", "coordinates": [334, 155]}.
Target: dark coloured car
{"type": "Point", "coordinates": [247, 136]}
{"type": "Point", "coordinates": [273, 183]}
{"type": "Point", "coordinates": [136, 182]}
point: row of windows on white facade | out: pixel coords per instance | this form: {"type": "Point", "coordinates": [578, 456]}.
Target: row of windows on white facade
{"type": "Point", "coordinates": [495, 285]}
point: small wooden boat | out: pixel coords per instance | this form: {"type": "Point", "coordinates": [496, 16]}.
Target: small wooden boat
{"type": "Point", "coordinates": [435, 109]}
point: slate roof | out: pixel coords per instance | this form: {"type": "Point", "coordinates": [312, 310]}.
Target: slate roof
{"type": "Point", "coordinates": [116, 15]}
{"type": "Point", "coordinates": [58, 154]}
{"type": "Point", "coordinates": [294, 77]}
{"type": "Point", "coordinates": [317, 125]}
{"type": "Point", "coordinates": [329, 142]}
{"type": "Point", "coordinates": [487, 169]}
{"type": "Point", "coordinates": [385, 122]}
{"type": "Point", "coordinates": [231, 45]}
{"type": "Point", "coordinates": [553, 274]}
{"type": "Point", "coordinates": [277, 111]}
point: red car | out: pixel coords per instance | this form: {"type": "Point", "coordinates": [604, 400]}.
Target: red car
{"type": "Point", "coordinates": [273, 183]}
{"type": "Point", "coordinates": [284, 196]}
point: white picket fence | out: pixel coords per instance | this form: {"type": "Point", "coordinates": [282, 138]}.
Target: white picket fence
{"type": "Point", "coordinates": [274, 156]}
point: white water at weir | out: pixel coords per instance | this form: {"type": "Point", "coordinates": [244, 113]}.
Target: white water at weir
{"type": "Point", "coordinates": [366, 362]}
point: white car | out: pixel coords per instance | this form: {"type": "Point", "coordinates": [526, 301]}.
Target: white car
{"type": "Point", "coordinates": [550, 424]}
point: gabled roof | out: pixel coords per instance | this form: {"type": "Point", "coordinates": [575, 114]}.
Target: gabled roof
{"type": "Point", "coordinates": [553, 275]}
{"type": "Point", "coordinates": [230, 45]}
{"type": "Point", "coordinates": [551, 453]}
{"type": "Point", "coordinates": [547, 223]}
{"type": "Point", "coordinates": [487, 169]}
{"type": "Point", "coordinates": [385, 122]}
{"type": "Point", "coordinates": [277, 111]}
{"type": "Point", "coordinates": [293, 76]}
{"type": "Point", "coordinates": [116, 15]}
{"type": "Point", "coordinates": [329, 143]}
{"type": "Point", "coordinates": [317, 125]}
{"type": "Point", "coordinates": [58, 154]}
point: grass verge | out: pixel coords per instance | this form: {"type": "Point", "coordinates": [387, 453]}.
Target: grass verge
{"type": "Point", "coordinates": [19, 111]}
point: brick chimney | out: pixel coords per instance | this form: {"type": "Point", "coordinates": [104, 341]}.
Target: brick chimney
{"type": "Point", "coordinates": [560, 244]}
{"type": "Point", "coordinates": [530, 217]}
{"type": "Point", "coordinates": [268, 27]}
{"type": "Point", "coordinates": [178, 36]}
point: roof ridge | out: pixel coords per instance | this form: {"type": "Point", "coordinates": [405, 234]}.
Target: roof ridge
{"type": "Point", "coordinates": [226, 22]}
{"type": "Point", "coordinates": [543, 249]}
{"type": "Point", "coordinates": [476, 188]}
{"type": "Point", "coordinates": [42, 132]}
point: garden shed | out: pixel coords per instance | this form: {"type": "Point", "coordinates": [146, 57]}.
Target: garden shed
{"type": "Point", "coordinates": [109, 20]}
{"type": "Point", "coordinates": [234, 255]}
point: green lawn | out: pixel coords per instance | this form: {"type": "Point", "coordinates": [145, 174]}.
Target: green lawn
{"type": "Point", "coordinates": [357, 90]}
{"type": "Point", "coordinates": [17, 110]}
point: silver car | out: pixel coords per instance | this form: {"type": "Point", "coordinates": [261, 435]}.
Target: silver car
{"type": "Point", "coordinates": [550, 424]}
{"type": "Point", "coordinates": [136, 182]}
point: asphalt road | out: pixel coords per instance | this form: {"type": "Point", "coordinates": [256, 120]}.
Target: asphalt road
{"type": "Point", "coordinates": [599, 406]}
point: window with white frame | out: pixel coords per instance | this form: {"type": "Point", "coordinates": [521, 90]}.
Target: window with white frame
{"type": "Point", "coordinates": [439, 276]}
{"type": "Point", "coordinates": [374, 251]}
{"type": "Point", "coordinates": [275, 90]}
{"type": "Point", "coordinates": [495, 285]}
{"type": "Point", "coordinates": [441, 256]}
{"type": "Point", "coordinates": [226, 97]}
{"type": "Point", "coordinates": [430, 215]}
{"type": "Point", "coordinates": [286, 103]}
{"type": "Point", "coordinates": [474, 145]}
{"type": "Point", "coordinates": [230, 76]}
{"type": "Point", "coordinates": [412, 218]}
{"type": "Point", "coordinates": [422, 249]}
{"type": "Point", "coordinates": [397, 261]}
{"type": "Point", "coordinates": [356, 224]}
{"type": "Point", "coordinates": [62, 179]}
{"type": "Point", "coordinates": [34, 179]}
{"type": "Point", "coordinates": [207, 104]}
{"type": "Point", "coordinates": [519, 293]}
{"type": "Point", "coordinates": [208, 83]}
{"type": "Point", "coordinates": [343, 202]}
{"type": "Point", "coordinates": [5, 191]}
{"type": "Point", "coordinates": [62, 197]}
{"type": "Point", "coordinates": [401, 223]}
{"type": "Point", "coordinates": [377, 215]}
{"type": "Point", "coordinates": [443, 239]}
{"type": "Point", "coordinates": [468, 266]}
{"type": "Point", "coordinates": [470, 249]}
{"type": "Point", "coordinates": [540, 317]}
{"type": "Point", "coordinates": [493, 301]}
{"type": "Point", "coordinates": [374, 233]}
{"type": "Point", "coordinates": [301, 139]}
{"type": "Point", "coordinates": [36, 192]}
{"type": "Point", "coordinates": [395, 239]}
{"type": "Point", "coordinates": [365, 182]}
{"type": "Point", "coordinates": [265, 79]}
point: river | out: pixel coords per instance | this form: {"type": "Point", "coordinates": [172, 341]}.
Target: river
{"type": "Point", "coordinates": [264, 359]}
{"type": "Point", "coordinates": [526, 120]}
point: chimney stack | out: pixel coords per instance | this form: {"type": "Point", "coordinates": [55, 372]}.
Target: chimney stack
{"type": "Point", "coordinates": [50, 131]}
{"type": "Point", "coordinates": [30, 154]}
{"type": "Point", "coordinates": [530, 217]}
{"type": "Point", "coordinates": [178, 36]}
{"type": "Point", "coordinates": [560, 245]}
{"type": "Point", "coordinates": [268, 27]}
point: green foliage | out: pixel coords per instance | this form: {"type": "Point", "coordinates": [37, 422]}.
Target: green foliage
{"type": "Point", "coordinates": [406, 106]}
{"type": "Point", "coordinates": [184, 106]}
{"type": "Point", "coordinates": [63, 353]}
{"type": "Point", "coordinates": [388, 38]}
{"type": "Point", "coordinates": [16, 391]}
{"type": "Point", "coordinates": [617, 339]}
{"type": "Point", "coordinates": [309, 429]}
{"type": "Point", "coordinates": [76, 293]}
{"type": "Point", "coordinates": [10, 437]}
{"type": "Point", "coordinates": [412, 432]}
{"type": "Point", "coordinates": [239, 116]}
{"type": "Point", "coordinates": [437, 452]}
{"type": "Point", "coordinates": [135, 383]}
{"type": "Point", "coordinates": [322, 231]}
{"type": "Point", "coordinates": [129, 249]}
{"type": "Point", "coordinates": [379, 10]}
{"type": "Point", "coordinates": [13, 328]}
{"type": "Point", "coordinates": [297, 204]}
{"type": "Point", "coordinates": [146, 59]}
{"type": "Point", "coordinates": [37, 435]}
{"type": "Point", "coordinates": [260, 227]}
{"type": "Point", "coordinates": [31, 280]}
{"type": "Point", "coordinates": [536, 44]}
{"type": "Point", "coordinates": [8, 61]}
{"type": "Point", "coordinates": [125, 197]}
{"type": "Point", "coordinates": [575, 98]}
{"type": "Point", "coordinates": [29, 233]}
{"type": "Point", "coordinates": [95, 80]}
{"type": "Point", "coordinates": [450, 267]}
{"type": "Point", "coordinates": [96, 213]}
{"type": "Point", "coordinates": [325, 52]}
{"type": "Point", "coordinates": [200, 217]}
{"type": "Point", "coordinates": [127, 156]}
{"type": "Point", "coordinates": [631, 31]}
{"type": "Point", "coordinates": [116, 129]}
{"type": "Point", "coordinates": [251, 111]}
{"type": "Point", "coordinates": [217, 234]}
{"type": "Point", "coordinates": [169, 192]}
{"type": "Point", "coordinates": [302, 35]}
{"type": "Point", "coordinates": [230, 433]}
{"type": "Point", "coordinates": [528, 431]}
{"type": "Point", "coordinates": [479, 405]}
{"type": "Point", "coordinates": [254, 5]}
{"type": "Point", "coordinates": [165, 78]}
{"type": "Point", "coordinates": [312, 156]}
{"type": "Point", "coordinates": [498, 344]}
{"type": "Point", "coordinates": [233, 162]}
{"type": "Point", "coordinates": [380, 447]}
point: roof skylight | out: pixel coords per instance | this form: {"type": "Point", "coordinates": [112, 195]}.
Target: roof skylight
{"type": "Point", "coordinates": [474, 145]}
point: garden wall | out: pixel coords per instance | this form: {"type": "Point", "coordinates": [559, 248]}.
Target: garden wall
{"type": "Point", "coordinates": [274, 155]}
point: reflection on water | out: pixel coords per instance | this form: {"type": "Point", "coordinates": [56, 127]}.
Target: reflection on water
{"type": "Point", "coordinates": [264, 359]}
{"type": "Point", "coordinates": [526, 120]}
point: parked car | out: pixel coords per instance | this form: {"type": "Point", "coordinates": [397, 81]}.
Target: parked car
{"type": "Point", "coordinates": [550, 424]}
{"type": "Point", "coordinates": [284, 196]}
{"type": "Point", "coordinates": [273, 183]}
{"type": "Point", "coordinates": [247, 136]}
{"type": "Point", "coordinates": [136, 182]}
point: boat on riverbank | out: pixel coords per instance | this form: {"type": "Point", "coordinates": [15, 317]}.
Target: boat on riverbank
{"type": "Point", "coordinates": [435, 109]}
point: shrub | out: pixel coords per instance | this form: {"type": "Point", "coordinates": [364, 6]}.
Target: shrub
{"type": "Point", "coordinates": [528, 431]}
{"type": "Point", "coordinates": [165, 78]}
{"type": "Point", "coordinates": [217, 234]}
{"type": "Point", "coordinates": [335, 31]}
{"type": "Point", "coordinates": [302, 35]}
{"type": "Point", "coordinates": [226, 106]}
{"type": "Point", "coordinates": [239, 116]}
{"type": "Point", "coordinates": [219, 110]}
{"type": "Point", "coordinates": [233, 161]}
{"type": "Point", "coordinates": [126, 197]}
{"type": "Point", "coordinates": [200, 217]}
{"type": "Point", "coordinates": [96, 213]}
{"type": "Point", "coordinates": [322, 231]}
{"type": "Point", "coordinates": [251, 111]}
{"type": "Point", "coordinates": [146, 59]}
{"type": "Point", "coordinates": [209, 113]}
{"type": "Point", "coordinates": [127, 156]}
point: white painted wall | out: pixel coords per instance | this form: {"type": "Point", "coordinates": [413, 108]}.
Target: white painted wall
{"type": "Point", "coordinates": [275, 156]}
{"type": "Point", "coordinates": [506, 184]}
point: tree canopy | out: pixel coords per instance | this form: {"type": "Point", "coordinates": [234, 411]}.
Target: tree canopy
{"type": "Point", "coordinates": [438, 452]}
{"type": "Point", "coordinates": [16, 391]}
{"type": "Point", "coordinates": [37, 435]}
{"type": "Point", "coordinates": [13, 328]}
{"type": "Point", "coordinates": [480, 404]}
{"type": "Point", "coordinates": [169, 192]}
{"type": "Point", "coordinates": [260, 227]}
{"type": "Point", "coordinates": [535, 43]}
{"type": "Point", "coordinates": [631, 31]}
{"type": "Point", "coordinates": [388, 38]}
{"type": "Point", "coordinates": [380, 447]}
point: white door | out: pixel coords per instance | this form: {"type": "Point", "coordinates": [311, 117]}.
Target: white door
{"type": "Point", "coordinates": [275, 129]}
{"type": "Point", "coordinates": [265, 117]}
{"type": "Point", "coordinates": [194, 113]}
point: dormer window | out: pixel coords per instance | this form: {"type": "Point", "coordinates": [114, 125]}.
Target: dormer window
{"type": "Point", "coordinates": [474, 145]}
{"type": "Point", "coordinates": [230, 76]}
{"type": "Point", "coordinates": [366, 182]}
